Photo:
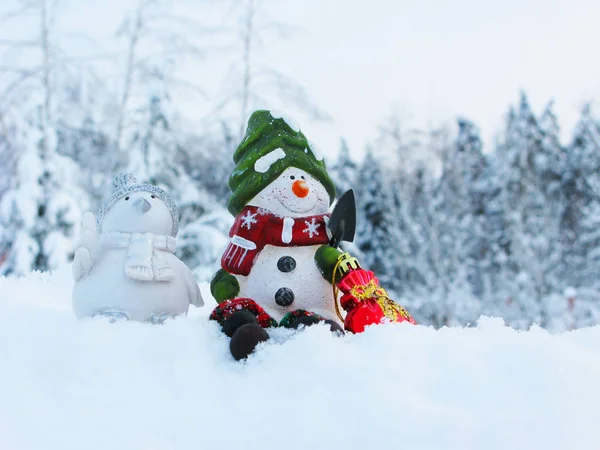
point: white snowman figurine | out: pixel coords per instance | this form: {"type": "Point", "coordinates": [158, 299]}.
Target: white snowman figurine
{"type": "Point", "coordinates": [272, 272]}
{"type": "Point", "coordinates": [124, 265]}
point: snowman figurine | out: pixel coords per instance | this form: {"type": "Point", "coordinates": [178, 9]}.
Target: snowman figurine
{"type": "Point", "coordinates": [277, 269]}
{"type": "Point", "coordinates": [124, 265]}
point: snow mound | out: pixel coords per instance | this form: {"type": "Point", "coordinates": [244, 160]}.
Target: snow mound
{"type": "Point", "coordinates": [68, 384]}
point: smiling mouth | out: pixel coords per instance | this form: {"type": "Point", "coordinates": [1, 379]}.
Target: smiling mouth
{"type": "Point", "coordinates": [302, 208]}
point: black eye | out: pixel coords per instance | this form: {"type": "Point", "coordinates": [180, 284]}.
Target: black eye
{"type": "Point", "coordinates": [126, 198]}
{"type": "Point", "coordinates": [153, 196]}
{"type": "Point", "coordinates": [292, 177]}
{"type": "Point", "coordinates": [303, 177]}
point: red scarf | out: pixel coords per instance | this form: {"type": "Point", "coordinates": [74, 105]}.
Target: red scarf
{"type": "Point", "coordinates": [256, 227]}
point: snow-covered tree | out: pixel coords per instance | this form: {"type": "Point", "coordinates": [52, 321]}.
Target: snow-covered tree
{"type": "Point", "coordinates": [254, 82]}
{"type": "Point", "coordinates": [581, 188]}
{"type": "Point", "coordinates": [527, 158]}
{"type": "Point", "coordinates": [344, 170]}
{"type": "Point", "coordinates": [456, 242]}
{"type": "Point", "coordinates": [580, 220]}
{"type": "Point", "coordinates": [156, 41]}
{"type": "Point", "coordinates": [94, 152]}
{"type": "Point", "coordinates": [44, 201]}
{"type": "Point", "coordinates": [376, 230]}
{"type": "Point", "coordinates": [417, 276]}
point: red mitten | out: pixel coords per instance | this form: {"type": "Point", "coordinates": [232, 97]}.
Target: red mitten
{"type": "Point", "coordinates": [367, 303]}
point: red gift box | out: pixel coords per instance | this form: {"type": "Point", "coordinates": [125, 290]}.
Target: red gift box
{"type": "Point", "coordinates": [367, 303]}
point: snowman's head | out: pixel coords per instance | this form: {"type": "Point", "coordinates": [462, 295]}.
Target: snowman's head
{"type": "Point", "coordinates": [276, 168]}
{"type": "Point", "coordinates": [294, 193]}
{"type": "Point", "coordinates": [138, 212]}
{"type": "Point", "coordinates": [138, 208]}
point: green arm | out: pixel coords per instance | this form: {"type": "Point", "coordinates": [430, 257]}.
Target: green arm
{"type": "Point", "coordinates": [326, 259]}
{"type": "Point", "coordinates": [224, 286]}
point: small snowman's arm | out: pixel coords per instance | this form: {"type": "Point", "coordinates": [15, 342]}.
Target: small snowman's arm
{"type": "Point", "coordinates": [224, 286]}
{"type": "Point", "coordinates": [326, 259]}
{"type": "Point", "coordinates": [193, 290]}
{"type": "Point", "coordinates": [87, 247]}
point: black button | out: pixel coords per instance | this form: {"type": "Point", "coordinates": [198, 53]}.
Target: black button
{"type": "Point", "coordinates": [286, 264]}
{"type": "Point", "coordinates": [284, 297]}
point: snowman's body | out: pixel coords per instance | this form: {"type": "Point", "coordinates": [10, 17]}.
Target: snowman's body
{"type": "Point", "coordinates": [311, 291]}
{"type": "Point", "coordinates": [294, 194]}
{"type": "Point", "coordinates": [130, 271]}
{"type": "Point", "coordinates": [107, 288]}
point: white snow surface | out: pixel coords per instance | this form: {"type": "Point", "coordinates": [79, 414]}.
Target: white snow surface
{"type": "Point", "coordinates": [264, 163]}
{"type": "Point", "coordinates": [292, 122]}
{"type": "Point", "coordinates": [315, 151]}
{"type": "Point", "coordinates": [68, 384]}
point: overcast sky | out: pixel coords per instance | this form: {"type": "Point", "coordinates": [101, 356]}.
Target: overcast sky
{"type": "Point", "coordinates": [432, 60]}
{"type": "Point", "coordinates": [437, 59]}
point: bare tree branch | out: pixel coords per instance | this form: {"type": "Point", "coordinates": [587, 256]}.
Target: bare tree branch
{"type": "Point", "coordinates": [247, 40]}
{"type": "Point", "coordinates": [17, 43]}
{"type": "Point", "coordinates": [19, 70]}
{"type": "Point", "coordinates": [46, 70]}
{"type": "Point", "coordinates": [17, 13]}
{"type": "Point", "coordinates": [131, 58]}
{"type": "Point", "coordinates": [189, 86]}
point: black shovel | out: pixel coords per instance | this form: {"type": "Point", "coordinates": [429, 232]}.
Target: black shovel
{"type": "Point", "coordinates": [342, 223]}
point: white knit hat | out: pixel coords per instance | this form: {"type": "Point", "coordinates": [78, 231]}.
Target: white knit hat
{"type": "Point", "coordinates": [125, 183]}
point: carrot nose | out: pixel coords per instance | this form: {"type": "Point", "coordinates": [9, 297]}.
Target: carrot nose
{"type": "Point", "coordinates": [300, 188]}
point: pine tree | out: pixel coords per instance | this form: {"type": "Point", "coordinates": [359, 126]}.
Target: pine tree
{"type": "Point", "coordinates": [457, 239]}
{"type": "Point", "coordinates": [416, 278]}
{"type": "Point", "coordinates": [153, 151]}
{"type": "Point", "coordinates": [551, 160]}
{"type": "Point", "coordinates": [94, 152]}
{"type": "Point", "coordinates": [526, 164]}
{"type": "Point", "coordinates": [44, 200]}
{"type": "Point", "coordinates": [42, 205]}
{"type": "Point", "coordinates": [377, 236]}
{"type": "Point", "coordinates": [6, 160]}
{"type": "Point", "coordinates": [344, 171]}
{"type": "Point", "coordinates": [472, 166]}
{"type": "Point", "coordinates": [580, 219]}
{"type": "Point", "coordinates": [581, 187]}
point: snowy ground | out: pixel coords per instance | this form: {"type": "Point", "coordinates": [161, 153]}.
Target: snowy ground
{"type": "Point", "coordinates": [66, 384]}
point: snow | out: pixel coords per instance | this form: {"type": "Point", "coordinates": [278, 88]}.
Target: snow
{"type": "Point", "coordinates": [315, 151]}
{"type": "Point", "coordinates": [292, 123]}
{"type": "Point", "coordinates": [69, 384]}
{"type": "Point", "coordinates": [570, 292]}
{"type": "Point", "coordinates": [264, 163]}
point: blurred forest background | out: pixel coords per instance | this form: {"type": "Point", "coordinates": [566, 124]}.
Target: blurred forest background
{"type": "Point", "coordinates": [453, 229]}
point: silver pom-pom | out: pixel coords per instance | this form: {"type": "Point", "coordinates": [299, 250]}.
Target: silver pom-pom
{"type": "Point", "coordinates": [122, 180]}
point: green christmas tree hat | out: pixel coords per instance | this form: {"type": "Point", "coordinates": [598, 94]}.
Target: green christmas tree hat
{"type": "Point", "coordinates": [270, 147]}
